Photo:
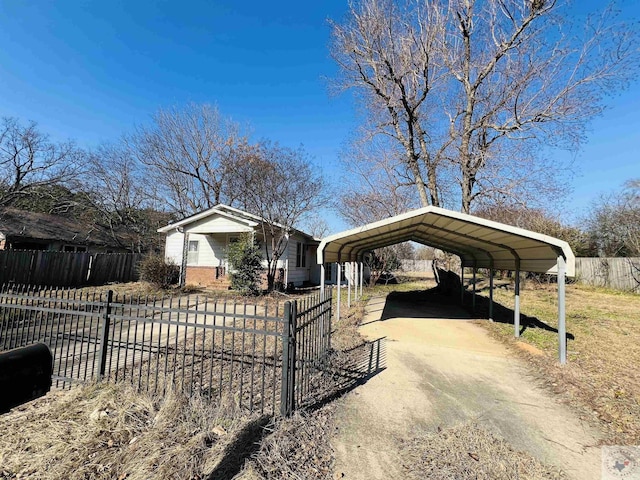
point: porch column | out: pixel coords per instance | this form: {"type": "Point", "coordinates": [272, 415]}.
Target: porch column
{"type": "Point", "coordinates": [183, 266]}
{"type": "Point", "coordinates": [516, 307]}
{"type": "Point", "coordinates": [562, 327]}
{"type": "Point", "coordinates": [286, 274]}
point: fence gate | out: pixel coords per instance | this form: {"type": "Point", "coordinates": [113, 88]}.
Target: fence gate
{"type": "Point", "coordinates": [306, 344]}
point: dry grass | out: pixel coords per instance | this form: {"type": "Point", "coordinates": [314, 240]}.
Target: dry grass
{"type": "Point", "coordinates": [296, 448]}
{"type": "Point", "coordinates": [112, 432]}
{"type": "Point", "coordinates": [601, 377]}
{"type": "Point", "coordinates": [143, 289]}
{"type": "Point", "coordinates": [468, 451]}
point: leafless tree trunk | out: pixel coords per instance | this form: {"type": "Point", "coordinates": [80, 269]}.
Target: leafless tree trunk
{"type": "Point", "coordinates": [388, 58]}
{"type": "Point", "coordinates": [481, 88]}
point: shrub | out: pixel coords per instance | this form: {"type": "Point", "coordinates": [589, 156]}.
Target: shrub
{"type": "Point", "coordinates": [157, 271]}
{"type": "Point", "coordinates": [245, 264]}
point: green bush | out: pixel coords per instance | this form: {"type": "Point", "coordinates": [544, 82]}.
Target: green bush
{"type": "Point", "coordinates": [156, 270]}
{"type": "Point", "coordinates": [245, 264]}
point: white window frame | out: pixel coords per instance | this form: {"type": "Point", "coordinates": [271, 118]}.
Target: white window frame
{"type": "Point", "coordinates": [192, 255]}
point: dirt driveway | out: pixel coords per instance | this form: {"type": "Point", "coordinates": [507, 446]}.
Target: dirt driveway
{"type": "Point", "coordinates": [443, 370]}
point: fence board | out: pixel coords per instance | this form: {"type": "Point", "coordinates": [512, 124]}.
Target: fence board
{"type": "Point", "coordinates": [67, 269]}
{"type": "Point", "coordinates": [618, 273]}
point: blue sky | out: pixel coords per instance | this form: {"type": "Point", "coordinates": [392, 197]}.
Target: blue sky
{"type": "Point", "coordinates": [91, 70]}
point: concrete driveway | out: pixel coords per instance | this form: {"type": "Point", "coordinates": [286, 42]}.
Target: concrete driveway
{"type": "Point", "coordinates": [443, 370]}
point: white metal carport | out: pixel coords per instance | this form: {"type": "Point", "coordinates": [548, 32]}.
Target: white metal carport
{"type": "Point", "coordinates": [479, 243]}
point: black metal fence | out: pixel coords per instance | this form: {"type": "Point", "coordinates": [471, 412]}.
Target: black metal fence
{"type": "Point", "coordinates": [261, 357]}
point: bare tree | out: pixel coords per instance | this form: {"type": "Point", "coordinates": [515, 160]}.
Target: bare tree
{"type": "Point", "coordinates": [31, 164]}
{"type": "Point", "coordinates": [614, 222]}
{"type": "Point", "coordinates": [121, 198]}
{"type": "Point", "coordinates": [279, 185]}
{"type": "Point", "coordinates": [187, 151]}
{"type": "Point", "coordinates": [385, 51]}
{"type": "Point", "coordinates": [376, 183]}
{"type": "Point", "coordinates": [475, 90]}
{"type": "Point", "coordinates": [540, 221]}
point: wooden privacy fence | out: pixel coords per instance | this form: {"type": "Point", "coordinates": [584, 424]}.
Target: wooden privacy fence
{"type": "Point", "coordinates": [67, 269]}
{"type": "Point", "coordinates": [262, 357]}
{"type": "Point", "coordinates": [612, 272]}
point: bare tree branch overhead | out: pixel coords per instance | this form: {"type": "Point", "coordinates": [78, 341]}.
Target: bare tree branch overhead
{"type": "Point", "coordinates": [187, 151]}
{"type": "Point", "coordinates": [477, 92]}
{"type": "Point", "coordinates": [123, 199]}
{"type": "Point", "coordinates": [30, 163]}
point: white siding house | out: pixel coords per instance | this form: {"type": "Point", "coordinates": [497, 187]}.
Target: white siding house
{"type": "Point", "coordinates": [199, 243]}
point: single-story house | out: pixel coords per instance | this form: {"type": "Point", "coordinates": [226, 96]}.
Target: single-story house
{"type": "Point", "coordinates": [24, 230]}
{"type": "Point", "coordinates": [207, 235]}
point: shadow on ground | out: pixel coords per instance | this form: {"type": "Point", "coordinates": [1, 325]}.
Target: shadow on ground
{"type": "Point", "coordinates": [504, 314]}
{"type": "Point", "coordinates": [432, 303]}
{"type": "Point", "coordinates": [445, 304]}
{"type": "Point", "coordinates": [244, 444]}
{"type": "Point", "coordinates": [346, 370]}
{"type": "Point", "coordinates": [342, 372]}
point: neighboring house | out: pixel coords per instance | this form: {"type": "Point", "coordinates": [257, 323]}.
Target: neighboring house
{"type": "Point", "coordinates": [23, 230]}
{"type": "Point", "coordinates": [207, 235]}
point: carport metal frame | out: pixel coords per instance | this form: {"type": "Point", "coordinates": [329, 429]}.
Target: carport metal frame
{"type": "Point", "coordinates": [479, 243]}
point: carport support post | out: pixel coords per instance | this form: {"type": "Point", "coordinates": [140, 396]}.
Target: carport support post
{"type": "Point", "coordinates": [322, 274]}
{"type": "Point", "coordinates": [356, 280]}
{"type": "Point", "coordinates": [361, 278]}
{"type": "Point", "coordinates": [461, 282]}
{"type": "Point", "coordinates": [491, 291]}
{"type": "Point", "coordinates": [473, 302]}
{"type": "Point", "coordinates": [516, 307]}
{"type": "Point", "coordinates": [562, 326]}
{"type": "Point", "coordinates": [348, 272]}
{"type": "Point", "coordinates": [339, 273]}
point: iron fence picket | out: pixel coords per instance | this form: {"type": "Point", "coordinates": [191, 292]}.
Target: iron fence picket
{"type": "Point", "coordinates": [261, 359]}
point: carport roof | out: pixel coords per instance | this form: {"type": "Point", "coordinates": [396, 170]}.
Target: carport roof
{"type": "Point", "coordinates": [475, 240]}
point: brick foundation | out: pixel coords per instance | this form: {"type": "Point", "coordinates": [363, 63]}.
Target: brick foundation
{"type": "Point", "coordinates": [205, 276]}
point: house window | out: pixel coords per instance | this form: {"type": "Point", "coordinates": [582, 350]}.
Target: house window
{"type": "Point", "coordinates": [192, 252]}
{"type": "Point", "coordinates": [301, 257]}
{"type": "Point", "coordinates": [328, 272]}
